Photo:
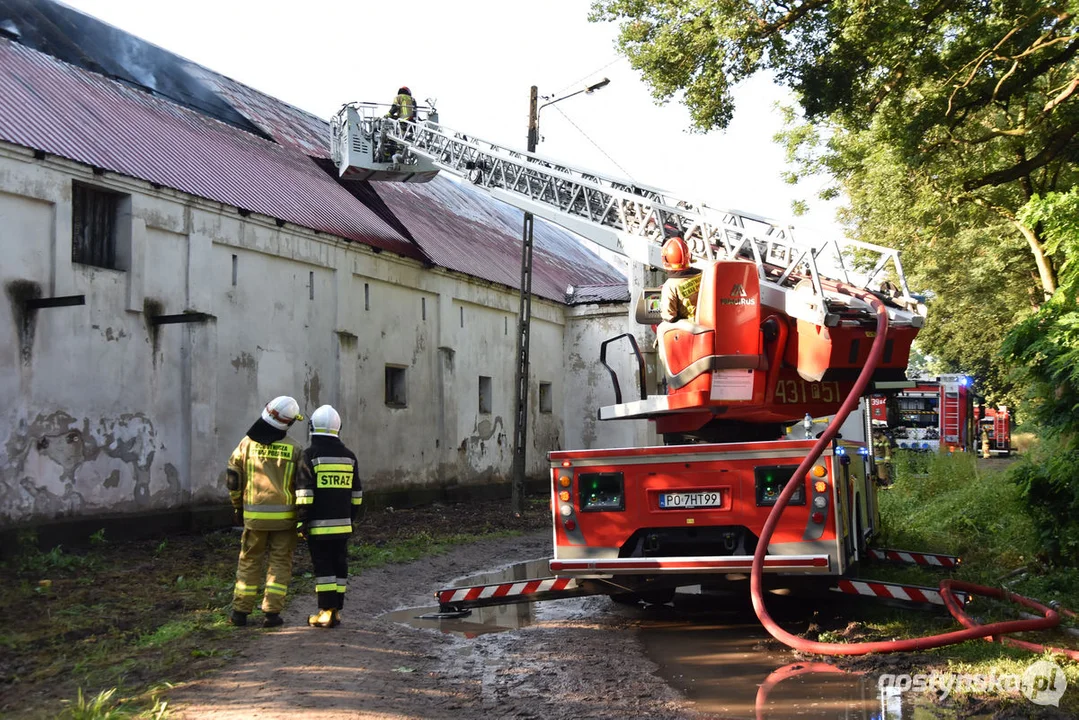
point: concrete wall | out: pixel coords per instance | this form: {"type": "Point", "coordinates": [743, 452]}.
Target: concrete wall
{"type": "Point", "coordinates": [102, 411]}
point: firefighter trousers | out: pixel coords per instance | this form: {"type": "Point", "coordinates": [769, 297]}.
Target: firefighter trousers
{"type": "Point", "coordinates": [329, 556]}
{"type": "Point", "coordinates": [259, 548]}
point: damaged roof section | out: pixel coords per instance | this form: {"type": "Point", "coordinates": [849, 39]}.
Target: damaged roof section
{"type": "Point", "coordinates": [122, 104]}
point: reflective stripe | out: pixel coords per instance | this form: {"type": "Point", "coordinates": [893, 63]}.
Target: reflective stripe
{"type": "Point", "coordinates": [268, 508]}
{"type": "Point", "coordinates": [357, 493]}
{"type": "Point", "coordinates": [326, 580]}
{"type": "Point", "coordinates": [304, 492]}
{"type": "Point", "coordinates": [357, 500]}
{"type": "Point", "coordinates": [340, 460]}
{"type": "Point", "coordinates": [276, 589]}
{"type": "Point", "coordinates": [334, 467]}
{"type": "Point", "coordinates": [270, 515]}
{"type": "Point", "coordinates": [325, 587]}
{"type": "Point", "coordinates": [244, 590]}
{"type": "Point", "coordinates": [329, 523]}
{"type": "Point", "coordinates": [331, 530]}
{"type": "Point", "coordinates": [305, 500]}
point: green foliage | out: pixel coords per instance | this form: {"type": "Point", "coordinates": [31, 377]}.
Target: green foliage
{"type": "Point", "coordinates": [1045, 346]}
{"type": "Point", "coordinates": [103, 707]}
{"type": "Point", "coordinates": [365, 555]}
{"type": "Point", "coordinates": [1048, 480]}
{"type": "Point", "coordinates": [941, 503]}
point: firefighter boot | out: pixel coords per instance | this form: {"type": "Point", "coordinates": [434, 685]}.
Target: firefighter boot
{"type": "Point", "coordinates": [239, 619]}
{"type": "Point", "coordinates": [324, 618]}
{"type": "Point", "coordinates": [272, 620]}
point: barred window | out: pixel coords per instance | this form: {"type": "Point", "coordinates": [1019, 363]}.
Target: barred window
{"type": "Point", "coordinates": [93, 226]}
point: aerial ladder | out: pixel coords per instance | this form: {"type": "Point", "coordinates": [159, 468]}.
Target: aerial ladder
{"type": "Point", "coordinates": [815, 321]}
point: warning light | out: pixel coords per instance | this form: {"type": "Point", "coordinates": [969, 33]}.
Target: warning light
{"type": "Point", "coordinates": [570, 525]}
{"type": "Point", "coordinates": [564, 496]}
{"type": "Point", "coordinates": [820, 502]}
{"type": "Point", "coordinates": [820, 486]}
{"type": "Point", "coordinates": [819, 471]}
{"type": "Point", "coordinates": [817, 517]}
{"type": "Point", "coordinates": [566, 510]}
{"type": "Point", "coordinates": [564, 480]}
{"type": "Point", "coordinates": [566, 463]}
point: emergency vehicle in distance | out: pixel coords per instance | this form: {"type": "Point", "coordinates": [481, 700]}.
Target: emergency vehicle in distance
{"type": "Point", "coordinates": [941, 414]}
{"type": "Point", "coordinates": [782, 329]}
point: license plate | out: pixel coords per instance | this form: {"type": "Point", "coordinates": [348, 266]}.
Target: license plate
{"type": "Point", "coordinates": [684, 500]}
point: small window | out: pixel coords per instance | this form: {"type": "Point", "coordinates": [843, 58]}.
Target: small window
{"type": "Point", "coordinates": [366, 296]}
{"type": "Point", "coordinates": [462, 316]}
{"type": "Point", "coordinates": [311, 285]}
{"type": "Point", "coordinates": [235, 270]}
{"type": "Point", "coordinates": [94, 220]}
{"type": "Point", "coordinates": [423, 308]}
{"type": "Point", "coordinates": [395, 386]}
{"type": "Point", "coordinates": [545, 397]}
{"type": "Point", "coordinates": [485, 394]}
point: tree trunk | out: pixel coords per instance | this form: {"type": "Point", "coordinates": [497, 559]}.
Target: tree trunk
{"type": "Point", "coordinates": [1045, 267]}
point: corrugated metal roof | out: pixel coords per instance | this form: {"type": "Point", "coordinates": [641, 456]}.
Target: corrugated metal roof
{"type": "Point", "coordinates": [585, 294]}
{"type": "Point", "coordinates": [462, 228]}
{"type": "Point", "coordinates": [48, 105]}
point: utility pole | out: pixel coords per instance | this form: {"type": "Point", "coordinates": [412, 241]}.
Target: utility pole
{"type": "Point", "coordinates": [524, 326]}
{"type": "Point", "coordinates": [524, 315]}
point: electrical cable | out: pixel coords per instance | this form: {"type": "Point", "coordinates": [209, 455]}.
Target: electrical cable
{"type": "Point", "coordinates": [596, 145]}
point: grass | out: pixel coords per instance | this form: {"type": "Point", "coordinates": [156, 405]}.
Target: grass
{"type": "Point", "coordinates": [98, 630]}
{"type": "Point", "coordinates": [945, 503]}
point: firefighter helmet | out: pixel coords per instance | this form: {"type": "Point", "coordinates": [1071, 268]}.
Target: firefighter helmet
{"type": "Point", "coordinates": [675, 254]}
{"type": "Point", "coordinates": [325, 421]}
{"type": "Point", "coordinates": [281, 412]}
{"type": "Point", "coordinates": [403, 90]}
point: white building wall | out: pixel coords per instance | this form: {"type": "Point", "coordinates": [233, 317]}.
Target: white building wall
{"type": "Point", "coordinates": [104, 411]}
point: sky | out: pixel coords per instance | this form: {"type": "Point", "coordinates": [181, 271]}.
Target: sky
{"type": "Point", "coordinates": [479, 58]}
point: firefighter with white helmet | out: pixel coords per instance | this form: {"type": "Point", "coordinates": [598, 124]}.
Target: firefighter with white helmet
{"type": "Point", "coordinates": [328, 499]}
{"type": "Point", "coordinates": [678, 299]}
{"type": "Point", "coordinates": [260, 477]}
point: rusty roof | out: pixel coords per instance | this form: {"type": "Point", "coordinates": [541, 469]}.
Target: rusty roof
{"type": "Point", "coordinates": [166, 120]}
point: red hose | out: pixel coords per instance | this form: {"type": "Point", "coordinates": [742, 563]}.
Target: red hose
{"type": "Point", "coordinates": [972, 631]}
{"type": "Point", "coordinates": [785, 673]}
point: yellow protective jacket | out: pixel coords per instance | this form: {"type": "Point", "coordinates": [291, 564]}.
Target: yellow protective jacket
{"type": "Point", "coordinates": [678, 299]}
{"type": "Point", "coordinates": [403, 108]}
{"type": "Point", "coordinates": [267, 475]}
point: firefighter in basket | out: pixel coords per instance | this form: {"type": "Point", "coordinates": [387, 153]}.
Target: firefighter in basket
{"type": "Point", "coordinates": [678, 299]}
{"type": "Point", "coordinates": [328, 499]}
{"type": "Point", "coordinates": [260, 477]}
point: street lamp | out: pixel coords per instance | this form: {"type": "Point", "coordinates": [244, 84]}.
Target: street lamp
{"type": "Point", "coordinates": [524, 315]}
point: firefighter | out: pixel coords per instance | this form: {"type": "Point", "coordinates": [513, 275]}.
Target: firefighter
{"type": "Point", "coordinates": [404, 106]}
{"type": "Point", "coordinates": [328, 499]}
{"type": "Point", "coordinates": [260, 479]}
{"type": "Point", "coordinates": [985, 442]}
{"type": "Point", "coordinates": [678, 299]}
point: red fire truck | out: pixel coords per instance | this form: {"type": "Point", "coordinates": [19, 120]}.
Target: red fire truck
{"type": "Point", "coordinates": [997, 425]}
{"type": "Point", "coordinates": [936, 414]}
{"type": "Point", "coordinates": [783, 330]}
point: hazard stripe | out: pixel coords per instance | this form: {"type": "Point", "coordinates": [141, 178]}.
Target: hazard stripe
{"type": "Point", "coordinates": [515, 589]}
{"type": "Point", "coordinates": [913, 558]}
{"type": "Point", "coordinates": [911, 593]}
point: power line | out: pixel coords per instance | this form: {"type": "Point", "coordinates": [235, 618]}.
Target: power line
{"type": "Point", "coordinates": [615, 59]}
{"type": "Point", "coordinates": [595, 144]}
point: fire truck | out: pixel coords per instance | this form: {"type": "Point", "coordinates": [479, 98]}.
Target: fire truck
{"type": "Point", "coordinates": [936, 414]}
{"type": "Point", "coordinates": [996, 423]}
{"type": "Point", "coordinates": [782, 331]}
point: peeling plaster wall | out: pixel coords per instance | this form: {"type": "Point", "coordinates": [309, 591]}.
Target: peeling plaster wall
{"type": "Point", "coordinates": [105, 411]}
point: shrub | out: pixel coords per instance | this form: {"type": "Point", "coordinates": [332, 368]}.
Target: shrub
{"type": "Point", "coordinates": [1046, 478]}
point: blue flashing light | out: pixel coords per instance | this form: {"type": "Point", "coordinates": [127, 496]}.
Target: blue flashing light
{"type": "Point", "coordinates": [841, 450]}
{"type": "Point", "coordinates": [863, 451]}
{"type": "Point", "coordinates": [925, 446]}
{"type": "Point", "coordinates": [963, 382]}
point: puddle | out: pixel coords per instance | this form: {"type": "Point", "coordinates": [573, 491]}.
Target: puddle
{"type": "Point", "coordinates": [483, 620]}
{"type": "Point", "coordinates": [722, 661]}
{"type": "Point", "coordinates": [712, 649]}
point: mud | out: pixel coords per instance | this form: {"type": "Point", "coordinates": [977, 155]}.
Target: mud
{"type": "Point", "coordinates": [581, 664]}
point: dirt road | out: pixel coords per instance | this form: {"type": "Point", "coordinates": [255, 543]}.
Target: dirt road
{"type": "Point", "coordinates": [371, 666]}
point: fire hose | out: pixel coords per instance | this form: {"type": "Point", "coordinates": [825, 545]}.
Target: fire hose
{"type": "Point", "coordinates": [996, 631]}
